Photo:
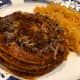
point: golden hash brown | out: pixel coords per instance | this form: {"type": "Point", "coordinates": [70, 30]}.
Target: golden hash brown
{"type": "Point", "coordinates": [67, 18]}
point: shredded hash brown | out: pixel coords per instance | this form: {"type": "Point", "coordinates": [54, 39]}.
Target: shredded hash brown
{"type": "Point", "coordinates": [67, 18]}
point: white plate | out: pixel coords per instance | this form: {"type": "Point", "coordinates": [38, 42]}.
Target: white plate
{"type": "Point", "coordinates": [70, 70]}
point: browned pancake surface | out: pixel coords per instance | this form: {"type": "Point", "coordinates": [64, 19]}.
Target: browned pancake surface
{"type": "Point", "coordinates": [31, 44]}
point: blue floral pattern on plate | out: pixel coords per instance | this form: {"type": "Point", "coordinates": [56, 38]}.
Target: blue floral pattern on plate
{"type": "Point", "coordinates": [4, 75]}
{"type": "Point", "coordinates": [4, 2]}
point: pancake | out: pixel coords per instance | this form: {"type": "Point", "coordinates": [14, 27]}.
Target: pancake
{"type": "Point", "coordinates": [31, 44]}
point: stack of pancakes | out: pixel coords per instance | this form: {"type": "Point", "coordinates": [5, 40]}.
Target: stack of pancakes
{"type": "Point", "coordinates": [31, 44]}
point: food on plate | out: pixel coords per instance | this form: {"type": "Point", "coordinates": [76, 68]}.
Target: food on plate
{"type": "Point", "coordinates": [31, 44]}
{"type": "Point", "coordinates": [68, 19]}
